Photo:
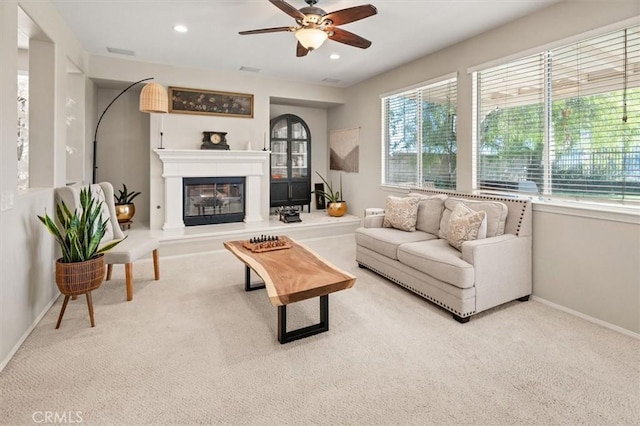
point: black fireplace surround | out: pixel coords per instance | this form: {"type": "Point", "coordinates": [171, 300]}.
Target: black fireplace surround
{"type": "Point", "coordinates": [211, 200]}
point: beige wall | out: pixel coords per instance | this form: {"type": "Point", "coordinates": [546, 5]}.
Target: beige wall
{"type": "Point", "coordinates": [184, 131]}
{"type": "Point", "coordinates": [27, 251]}
{"type": "Point", "coordinates": [573, 272]}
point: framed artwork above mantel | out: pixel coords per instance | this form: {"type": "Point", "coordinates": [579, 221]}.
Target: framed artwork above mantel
{"type": "Point", "coordinates": [209, 102]}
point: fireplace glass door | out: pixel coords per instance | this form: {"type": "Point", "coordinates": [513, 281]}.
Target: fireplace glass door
{"type": "Point", "coordinates": [213, 200]}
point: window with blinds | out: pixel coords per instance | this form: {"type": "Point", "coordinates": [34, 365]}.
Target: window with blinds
{"type": "Point", "coordinates": [564, 122]}
{"type": "Point", "coordinates": [419, 132]}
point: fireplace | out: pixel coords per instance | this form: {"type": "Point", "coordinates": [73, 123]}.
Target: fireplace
{"type": "Point", "coordinates": [210, 200]}
{"type": "Point", "coordinates": [178, 164]}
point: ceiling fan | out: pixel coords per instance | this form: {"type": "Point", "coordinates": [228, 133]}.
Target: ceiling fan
{"type": "Point", "coordinates": [314, 25]}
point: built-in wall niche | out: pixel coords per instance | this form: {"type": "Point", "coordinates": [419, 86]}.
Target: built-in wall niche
{"type": "Point", "coordinates": [74, 120]}
{"type": "Point", "coordinates": [36, 78]}
{"type": "Point", "coordinates": [23, 130]}
{"type": "Point", "coordinates": [22, 149]}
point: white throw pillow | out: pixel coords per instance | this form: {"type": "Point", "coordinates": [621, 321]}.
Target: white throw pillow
{"type": "Point", "coordinates": [464, 225]}
{"type": "Point", "coordinates": [430, 210]}
{"type": "Point", "coordinates": [401, 213]}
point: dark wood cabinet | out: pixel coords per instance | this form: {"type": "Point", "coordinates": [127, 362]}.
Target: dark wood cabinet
{"type": "Point", "coordinates": [290, 161]}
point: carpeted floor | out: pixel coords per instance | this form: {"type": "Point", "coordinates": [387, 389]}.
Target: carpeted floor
{"type": "Point", "coordinates": [194, 348]}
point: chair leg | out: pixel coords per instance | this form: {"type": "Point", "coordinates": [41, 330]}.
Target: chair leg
{"type": "Point", "coordinates": [90, 305]}
{"type": "Point", "coordinates": [64, 306]}
{"type": "Point", "coordinates": [156, 264]}
{"type": "Point", "coordinates": [109, 270]}
{"type": "Point", "coordinates": [128, 272]}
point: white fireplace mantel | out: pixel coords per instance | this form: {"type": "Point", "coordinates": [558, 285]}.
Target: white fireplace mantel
{"type": "Point", "coordinates": [181, 163]}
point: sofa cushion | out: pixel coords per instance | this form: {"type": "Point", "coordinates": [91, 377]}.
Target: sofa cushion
{"type": "Point", "coordinates": [439, 260]}
{"type": "Point", "coordinates": [465, 224]}
{"type": "Point", "coordinates": [385, 241]}
{"type": "Point", "coordinates": [430, 210]}
{"type": "Point", "coordinates": [401, 213]}
{"type": "Point", "coordinates": [495, 210]}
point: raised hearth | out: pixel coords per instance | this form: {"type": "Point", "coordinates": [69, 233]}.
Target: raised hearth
{"type": "Point", "coordinates": [180, 163]}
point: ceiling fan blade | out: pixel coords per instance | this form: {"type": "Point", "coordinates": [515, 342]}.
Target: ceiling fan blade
{"type": "Point", "coordinates": [288, 9]}
{"type": "Point", "coordinates": [266, 30]}
{"type": "Point", "coordinates": [343, 36]}
{"type": "Point", "coordinates": [301, 50]}
{"type": "Point", "coordinates": [344, 16]}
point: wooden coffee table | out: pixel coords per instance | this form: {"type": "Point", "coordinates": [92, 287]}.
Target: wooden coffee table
{"type": "Point", "coordinates": [291, 275]}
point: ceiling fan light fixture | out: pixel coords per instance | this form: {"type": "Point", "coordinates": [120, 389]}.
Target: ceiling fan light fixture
{"type": "Point", "coordinates": [311, 38]}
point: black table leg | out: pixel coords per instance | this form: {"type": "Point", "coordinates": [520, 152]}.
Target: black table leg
{"type": "Point", "coordinates": [301, 333]}
{"type": "Point", "coordinates": [247, 281]}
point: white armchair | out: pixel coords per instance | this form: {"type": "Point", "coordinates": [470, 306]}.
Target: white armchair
{"type": "Point", "coordinates": [128, 251]}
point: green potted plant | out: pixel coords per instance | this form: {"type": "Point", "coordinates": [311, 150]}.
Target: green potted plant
{"type": "Point", "coordinates": [81, 267]}
{"type": "Point", "coordinates": [336, 206]}
{"type": "Point", "coordinates": [125, 209]}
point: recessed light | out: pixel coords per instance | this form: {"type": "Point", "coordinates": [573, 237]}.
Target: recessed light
{"type": "Point", "coordinates": [180, 28]}
{"type": "Point", "coordinates": [334, 56]}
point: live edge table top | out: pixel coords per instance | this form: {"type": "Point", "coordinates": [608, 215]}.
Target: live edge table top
{"type": "Point", "coordinates": [293, 274]}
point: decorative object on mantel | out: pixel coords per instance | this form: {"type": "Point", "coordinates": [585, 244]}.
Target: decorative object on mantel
{"type": "Point", "coordinates": [125, 209]}
{"type": "Point", "coordinates": [207, 102]}
{"type": "Point", "coordinates": [80, 270]}
{"type": "Point", "coordinates": [214, 140]}
{"type": "Point", "coordinates": [153, 99]}
{"type": "Point", "coordinates": [336, 206]}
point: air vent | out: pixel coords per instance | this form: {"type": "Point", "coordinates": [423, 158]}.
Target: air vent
{"type": "Point", "coordinates": [249, 69]}
{"type": "Point", "coordinates": [121, 51]}
{"type": "Point", "coordinates": [331, 80]}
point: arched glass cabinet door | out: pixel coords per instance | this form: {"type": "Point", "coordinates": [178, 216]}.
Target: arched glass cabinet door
{"type": "Point", "coordinates": [290, 161]}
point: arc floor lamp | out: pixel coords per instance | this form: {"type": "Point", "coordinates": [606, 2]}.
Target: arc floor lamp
{"type": "Point", "coordinates": [153, 99]}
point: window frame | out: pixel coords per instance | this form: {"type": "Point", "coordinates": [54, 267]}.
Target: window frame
{"type": "Point", "coordinates": [546, 192]}
{"type": "Point", "coordinates": [415, 89]}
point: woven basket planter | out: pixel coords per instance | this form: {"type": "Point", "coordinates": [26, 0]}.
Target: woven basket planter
{"type": "Point", "coordinates": [79, 277]}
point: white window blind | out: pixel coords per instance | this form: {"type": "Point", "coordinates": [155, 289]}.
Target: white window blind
{"type": "Point", "coordinates": [511, 134]}
{"type": "Point", "coordinates": [593, 150]}
{"type": "Point", "coordinates": [420, 136]}
{"type": "Point", "coordinates": [565, 122]}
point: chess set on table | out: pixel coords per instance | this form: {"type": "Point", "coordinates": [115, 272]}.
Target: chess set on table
{"type": "Point", "coordinates": [267, 243]}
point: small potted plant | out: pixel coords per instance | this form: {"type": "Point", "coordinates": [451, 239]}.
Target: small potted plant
{"type": "Point", "coordinates": [125, 209]}
{"type": "Point", "coordinates": [336, 206]}
{"type": "Point", "coordinates": [81, 267]}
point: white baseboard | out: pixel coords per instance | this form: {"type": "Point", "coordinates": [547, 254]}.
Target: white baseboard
{"type": "Point", "coordinates": [26, 333]}
{"type": "Point", "coordinates": [588, 318]}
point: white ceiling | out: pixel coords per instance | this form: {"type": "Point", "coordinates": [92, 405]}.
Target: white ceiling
{"type": "Point", "coordinates": [403, 30]}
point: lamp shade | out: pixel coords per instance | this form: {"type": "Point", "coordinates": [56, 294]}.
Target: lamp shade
{"type": "Point", "coordinates": [153, 98]}
{"type": "Point", "coordinates": [311, 38]}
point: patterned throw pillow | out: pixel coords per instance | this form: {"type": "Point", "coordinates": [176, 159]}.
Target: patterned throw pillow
{"type": "Point", "coordinates": [496, 215]}
{"type": "Point", "coordinates": [401, 213]}
{"type": "Point", "coordinates": [464, 225]}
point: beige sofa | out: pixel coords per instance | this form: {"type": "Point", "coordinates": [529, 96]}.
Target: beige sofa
{"type": "Point", "coordinates": [482, 273]}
